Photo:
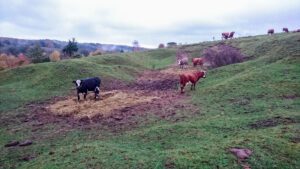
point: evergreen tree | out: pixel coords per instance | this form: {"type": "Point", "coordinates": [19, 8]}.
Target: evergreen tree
{"type": "Point", "coordinates": [36, 54]}
{"type": "Point", "coordinates": [71, 48]}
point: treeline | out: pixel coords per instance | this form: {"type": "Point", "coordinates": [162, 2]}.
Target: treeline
{"type": "Point", "coordinates": [16, 52]}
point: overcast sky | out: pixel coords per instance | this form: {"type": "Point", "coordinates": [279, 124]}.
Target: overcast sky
{"type": "Point", "coordinates": [149, 21]}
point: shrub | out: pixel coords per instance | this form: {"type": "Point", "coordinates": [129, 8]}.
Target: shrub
{"type": "Point", "coordinates": [37, 54]}
{"type": "Point", "coordinates": [3, 62]}
{"type": "Point", "coordinates": [96, 52]}
{"type": "Point", "coordinates": [222, 55]}
{"type": "Point", "coordinates": [23, 60]}
{"type": "Point", "coordinates": [161, 46]}
{"type": "Point", "coordinates": [77, 55]}
{"type": "Point", "coordinates": [12, 61]}
{"type": "Point", "coordinates": [54, 56]}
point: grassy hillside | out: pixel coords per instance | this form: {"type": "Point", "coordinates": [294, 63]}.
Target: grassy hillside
{"type": "Point", "coordinates": [254, 104]}
{"type": "Point", "coordinates": [37, 82]}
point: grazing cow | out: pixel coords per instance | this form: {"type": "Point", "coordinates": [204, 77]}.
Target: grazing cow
{"type": "Point", "coordinates": [89, 84]}
{"type": "Point", "coordinates": [285, 30]}
{"type": "Point", "coordinates": [270, 31]}
{"type": "Point", "coordinates": [231, 35]}
{"type": "Point", "coordinates": [182, 62]}
{"type": "Point", "coordinates": [198, 61]}
{"type": "Point", "coordinates": [192, 77]}
{"type": "Point", "coordinates": [225, 35]}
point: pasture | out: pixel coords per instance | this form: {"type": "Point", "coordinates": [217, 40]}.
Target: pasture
{"type": "Point", "coordinates": [142, 120]}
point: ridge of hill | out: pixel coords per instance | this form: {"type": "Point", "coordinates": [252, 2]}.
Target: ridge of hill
{"type": "Point", "coordinates": [16, 46]}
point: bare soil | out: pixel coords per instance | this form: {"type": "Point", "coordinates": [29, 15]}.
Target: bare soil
{"type": "Point", "coordinates": [272, 122]}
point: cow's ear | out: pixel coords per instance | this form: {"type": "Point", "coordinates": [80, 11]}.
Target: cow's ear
{"type": "Point", "coordinates": [74, 81]}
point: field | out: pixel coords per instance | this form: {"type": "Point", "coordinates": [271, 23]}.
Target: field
{"type": "Point", "coordinates": [142, 120]}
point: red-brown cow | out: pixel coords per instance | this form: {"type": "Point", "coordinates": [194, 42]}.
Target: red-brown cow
{"type": "Point", "coordinates": [285, 30]}
{"type": "Point", "coordinates": [231, 35]}
{"type": "Point", "coordinates": [198, 61]}
{"type": "Point", "coordinates": [192, 77]}
{"type": "Point", "coordinates": [270, 31]}
{"type": "Point", "coordinates": [225, 35]}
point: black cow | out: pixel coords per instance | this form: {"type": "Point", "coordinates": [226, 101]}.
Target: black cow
{"type": "Point", "coordinates": [88, 84]}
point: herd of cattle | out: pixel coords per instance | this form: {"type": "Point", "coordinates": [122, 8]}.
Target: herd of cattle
{"type": "Point", "coordinates": [93, 84]}
{"type": "Point", "coordinates": [271, 31]}
{"type": "Point", "coordinates": [229, 35]}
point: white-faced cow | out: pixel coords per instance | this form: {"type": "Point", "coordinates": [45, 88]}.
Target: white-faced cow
{"type": "Point", "coordinates": [182, 62]}
{"type": "Point", "coordinates": [88, 84]}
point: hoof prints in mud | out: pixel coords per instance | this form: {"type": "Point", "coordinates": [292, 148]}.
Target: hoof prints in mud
{"type": "Point", "coordinates": [272, 122]}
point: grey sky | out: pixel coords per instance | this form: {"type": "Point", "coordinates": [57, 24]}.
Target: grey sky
{"type": "Point", "coordinates": [150, 22]}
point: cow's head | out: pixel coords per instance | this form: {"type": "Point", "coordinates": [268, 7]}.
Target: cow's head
{"type": "Point", "coordinates": [77, 83]}
{"type": "Point", "coordinates": [204, 74]}
{"type": "Point", "coordinates": [179, 62]}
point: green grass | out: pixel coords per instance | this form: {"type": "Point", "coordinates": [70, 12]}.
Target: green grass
{"type": "Point", "coordinates": [38, 82]}
{"type": "Point", "coordinates": [230, 99]}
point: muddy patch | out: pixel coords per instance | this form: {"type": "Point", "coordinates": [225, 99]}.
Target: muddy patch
{"type": "Point", "coordinates": [154, 95]}
{"type": "Point", "coordinates": [272, 122]}
{"type": "Point", "coordinates": [293, 96]}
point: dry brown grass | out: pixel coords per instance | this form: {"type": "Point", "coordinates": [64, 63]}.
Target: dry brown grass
{"type": "Point", "coordinates": [111, 100]}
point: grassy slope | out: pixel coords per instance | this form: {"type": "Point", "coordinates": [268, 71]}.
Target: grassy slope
{"type": "Point", "coordinates": [41, 81]}
{"type": "Point", "coordinates": [230, 98]}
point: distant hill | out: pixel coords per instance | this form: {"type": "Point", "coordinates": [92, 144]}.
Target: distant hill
{"type": "Point", "coordinates": [15, 46]}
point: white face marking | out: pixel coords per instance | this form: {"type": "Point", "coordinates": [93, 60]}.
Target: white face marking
{"type": "Point", "coordinates": [78, 82]}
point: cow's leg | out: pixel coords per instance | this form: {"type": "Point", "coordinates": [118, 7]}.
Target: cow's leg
{"type": "Point", "coordinates": [97, 92]}
{"type": "Point", "coordinates": [78, 96]}
{"type": "Point", "coordinates": [85, 95]}
{"type": "Point", "coordinates": [182, 87]}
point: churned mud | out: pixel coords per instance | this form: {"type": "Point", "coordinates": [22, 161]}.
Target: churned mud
{"type": "Point", "coordinates": [272, 122]}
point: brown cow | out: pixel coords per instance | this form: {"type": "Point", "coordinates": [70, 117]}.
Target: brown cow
{"type": "Point", "coordinates": [285, 30]}
{"type": "Point", "coordinates": [192, 77]}
{"type": "Point", "coordinates": [198, 61]}
{"type": "Point", "coordinates": [225, 35]}
{"type": "Point", "coordinates": [231, 35]}
{"type": "Point", "coordinates": [270, 31]}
